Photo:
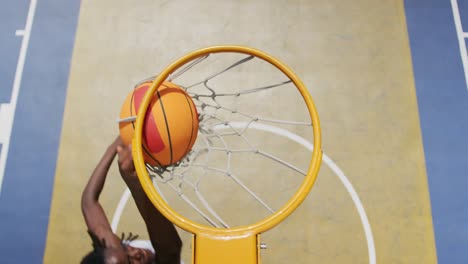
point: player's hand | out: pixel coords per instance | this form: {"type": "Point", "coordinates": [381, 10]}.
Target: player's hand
{"type": "Point", "coordinates": [117, 142]}
{"type": "Point", "coordinates": [126, 167]}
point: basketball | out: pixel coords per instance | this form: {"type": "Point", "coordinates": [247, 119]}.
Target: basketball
{"type": "Point", "coordinates": [170, 126]}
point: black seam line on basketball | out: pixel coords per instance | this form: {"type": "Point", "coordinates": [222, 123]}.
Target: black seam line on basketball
{"type": "Point", "coordinates": [131, 107]}
{"type": "Point", "coordinates": [167, 124]}
{"type": "Point", "coordinates": [151, 156]}
{"type": "Point", "coordinates": [191, 133]}
{"type": "Point", "coordinates": [133, 125]}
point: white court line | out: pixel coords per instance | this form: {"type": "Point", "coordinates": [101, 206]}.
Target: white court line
{"type": "Point", "coordinates": [461, 38]}
{"type": "Point", "coordinates": [9, 115]}
{"type": "Point", "coordinates": [120, 207]}
{"type": "Point", "coordinates": [328, 161]}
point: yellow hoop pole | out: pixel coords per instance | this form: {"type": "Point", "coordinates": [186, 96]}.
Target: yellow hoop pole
{"type": "Point", "coordinates": [238, 244]}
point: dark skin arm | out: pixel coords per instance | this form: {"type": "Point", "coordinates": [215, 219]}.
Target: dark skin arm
{"type": "Point", "coordinates": [93, 213]}
{"type": "Point", "coordinates": [162, 232]}
{"type": "Point", "coordinates": [163, 235]}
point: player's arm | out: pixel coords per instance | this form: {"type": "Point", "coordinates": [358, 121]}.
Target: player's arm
{"type": "Point", "coordinates": [93, 212]}
{"type": "Point", "coordinates": [163, 235]}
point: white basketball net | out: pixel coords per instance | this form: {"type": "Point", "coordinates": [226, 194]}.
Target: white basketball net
{"type": "Point", "coordinates": [237, 155]}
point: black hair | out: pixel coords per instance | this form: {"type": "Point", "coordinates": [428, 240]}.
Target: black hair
{"type": "Point", "coordinates": [97, 255]}
{"type": "Point", "coordinates": [94, 257]}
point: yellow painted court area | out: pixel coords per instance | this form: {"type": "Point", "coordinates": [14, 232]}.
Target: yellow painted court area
{"type": "Point", "coordinates": [370, 203]}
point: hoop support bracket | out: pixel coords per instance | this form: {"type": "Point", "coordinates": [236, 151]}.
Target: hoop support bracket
{"type": "Point", "coordinates": [227, 250]}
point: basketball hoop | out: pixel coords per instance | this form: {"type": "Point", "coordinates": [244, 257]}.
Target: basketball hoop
{"type": "Point", "coordinates": [218, 242]}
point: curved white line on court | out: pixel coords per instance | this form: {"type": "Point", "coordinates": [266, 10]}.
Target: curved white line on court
{"type": "Point", "coordinates": [334, 168]}
{"type": "Point", "coordinates": [329, 162]}
{"type": "Point", "coordinates": [359, 207]}
{"type": "Point", "coordinates": [119, 210]}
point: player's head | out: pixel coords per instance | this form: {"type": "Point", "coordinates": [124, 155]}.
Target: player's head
{"type": "Point", "coordinates": [95, 256]}
{"type": "Point", "coordinates": [123, 255]}
{"type": "Point", "coordinates": [120, 255]}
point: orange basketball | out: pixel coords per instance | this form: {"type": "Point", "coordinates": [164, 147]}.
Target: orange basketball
{"type": "Point", "coordinates": [170, 127]}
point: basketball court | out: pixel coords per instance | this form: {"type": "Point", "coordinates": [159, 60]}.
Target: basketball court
{"type": "Point", "coordinates": [387, 78]}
